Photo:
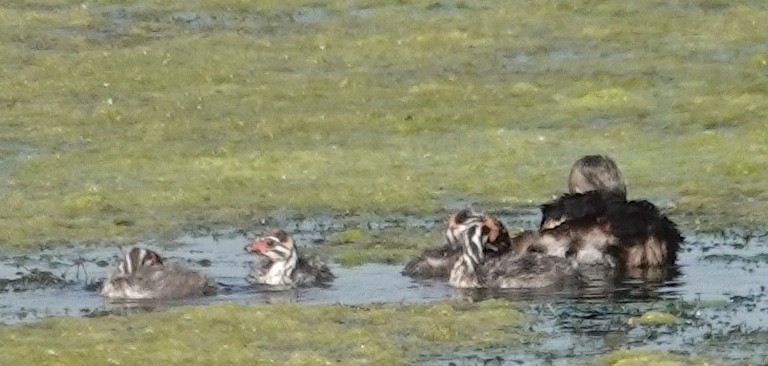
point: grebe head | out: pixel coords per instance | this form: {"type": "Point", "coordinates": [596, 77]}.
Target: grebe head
{"type": "Point", "coordinates": [596, 172]}
{"type": "Point", "coordinates": [473, 235]}
{"type": "Point", "coordinates": [454, 224]}
{"type": "Point", "coordinates": [498, 240]}
{"type": "Point", "coordinates": [498, 236]}
{"type": "Point", "coordinates": [136, 258]}
{"type": "Point", "coordinates": [278, 247]}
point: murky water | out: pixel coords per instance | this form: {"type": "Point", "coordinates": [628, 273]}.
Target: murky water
{"type": "Point", "coordinates": [720, 292]}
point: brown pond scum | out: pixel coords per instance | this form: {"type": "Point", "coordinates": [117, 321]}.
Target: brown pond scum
{"type": "Point", "coordinates": [144, 120]}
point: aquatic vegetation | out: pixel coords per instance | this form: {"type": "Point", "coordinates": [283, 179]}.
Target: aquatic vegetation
{"type": "Point", "coordinates": [653, 318]}
{"type": "Point", "coordinates": [116, 130]}
{"type": "Point", "coordinates": [639, 358]}
{"type": "Point", "coordinates": [282, 334]}
{"type": "Point", "coordinates": [32, 279]}
{"type": "Point", "coordinates": [393, 246]}
{"type": "Point", "coordinates": [123, 120]}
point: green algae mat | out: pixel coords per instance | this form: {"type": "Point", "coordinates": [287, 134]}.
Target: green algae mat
{"type": "Point", "coordinates": [285, 334]}
{"type": "Point", "coordinates": [276, 334]}
{"type": "Point", "coordinates": [121, 120]}
{"type": "Point", "coordinates": [128, 120]}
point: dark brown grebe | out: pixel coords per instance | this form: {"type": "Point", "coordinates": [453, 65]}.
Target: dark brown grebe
{"type": "Point", "coordinates": [588, 174]}
{"type": "Point", "coordinates": [438, 262]}
{"type": "Point", "coordinates": [601, 226]}
{"type": "Point", "coordinates": [284, 265]}
{"type": "Point", "coordinates": [143, 275]}
{"type": "Point", "coordinates": [636, 233]}
{"type": "Point", "coordinates": [475, 269]}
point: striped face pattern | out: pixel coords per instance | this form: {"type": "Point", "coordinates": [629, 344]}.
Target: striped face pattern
{"type": "Point", "coordinates": [455, 222]}
{"type": "Point", "coordinates": [278, 246]}
{"type": "Point", "coordinates": [136, 258]}
{"type": "Point", "coordinates": [472, 233]}
{"type": "Point", "coordinates": [496, 237]}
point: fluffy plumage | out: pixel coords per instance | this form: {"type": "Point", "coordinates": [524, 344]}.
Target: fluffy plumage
{"type": "Point", "coordinates": [284, 266]}
{"type": "Point", "coordinates": [438, 262]}
{"type": "Point", "coordinates": [143, 275]}
{"type": "Point", "coordinates": [633, 233]}
{"type": "Point", "coordinates": [474, 269]}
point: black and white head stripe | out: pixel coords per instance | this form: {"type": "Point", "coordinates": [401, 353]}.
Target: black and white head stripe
{"type": "Point", "coordinates": [136, 258]}
{"type": "Point", "coordinates": [475, 235]}
{"type": "Point", "coordinates": [470, 229]}
{"type": "Point", "coordinates": [279, 248]}
{"type": "Point", "coordinates": [459, 221]}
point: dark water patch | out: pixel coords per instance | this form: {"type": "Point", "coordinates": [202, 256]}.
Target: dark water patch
{"type": "Point", "coordinates": [32, 280]}
{"type": "Point", "coordinates": [126, 21]}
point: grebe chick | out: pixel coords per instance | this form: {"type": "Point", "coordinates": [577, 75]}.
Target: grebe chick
{"type": "Point", "coordinates": [474, 269]}
{"type": "Point", "coordinates": [284, 265]}
{"type": "Point", "coordinates": [143, 275]}
{"type": "Point", "coordinates": [438, 262]}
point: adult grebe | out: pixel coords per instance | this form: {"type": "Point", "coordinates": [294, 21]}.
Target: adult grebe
{"type": "Point", "coordinates": [596, 173]}
{"type": "Point", "coordinates": [588, 174]}
{"type": "Point", "coordinates": [596, 224]}
{"type": "Point", "coordinates": [636, 233]}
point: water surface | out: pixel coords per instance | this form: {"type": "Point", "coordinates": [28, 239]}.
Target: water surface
{"type": "Point", "coordinates": [718, 292]}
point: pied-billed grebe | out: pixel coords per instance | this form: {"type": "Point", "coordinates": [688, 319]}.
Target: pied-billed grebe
{"type": "Point", "coordinates": [595, 224]}
{"type": "Point", "coordinates": [635, 234]}
{"type": "Point", "coordinates": [143, 275]}
{"type": "Point", "coordinates": [633, 237]}
{"type": "Point", "coordinates": [475, 269]}
{"type": "Point", "coordinates": [596, 173]}
{"type": "Point", "coordinates": [438, 262]}
{"type": "Point", "coordinates": [588, 174]}
{"type": "Point", "coordinates": [284, 265]}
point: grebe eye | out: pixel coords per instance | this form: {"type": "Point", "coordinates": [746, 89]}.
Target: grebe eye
{"type": "Point", "coordinates": [272, 241]}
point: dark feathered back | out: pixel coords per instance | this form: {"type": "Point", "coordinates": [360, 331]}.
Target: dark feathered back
{"type": "Point", "coordinates": [638, 234]}
{"type": "Point", "coordinates": [635, 222]}
{"type": "Point", "coordinates": [573, 206]}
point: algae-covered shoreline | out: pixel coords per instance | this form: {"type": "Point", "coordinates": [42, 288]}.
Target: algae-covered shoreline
{"type": "Point", "coordinates": [126, 120]}
{"type": "Point", "coordinates": [289, 334]}
{"type": "Point", "coordinates": [284, 334]}
{"type": "Point", "coordinates": [143, 119]}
